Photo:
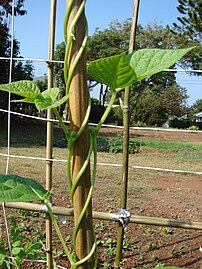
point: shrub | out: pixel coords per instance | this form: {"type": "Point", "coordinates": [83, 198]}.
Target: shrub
{"type": "Point", "coordinates": [118, 115]}
{"type": "Point", "coordinates": [115, 145]}
{"type": "Point", "coordinates": [140, 124]}
{"type": "Point", "coordinates": [193, 128]}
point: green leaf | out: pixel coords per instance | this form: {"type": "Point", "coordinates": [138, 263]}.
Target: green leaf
{"type": "Point", "coordinates": [19, 189]}
{"type": "Point", "coordinates": [35, 246]}
{"type": "Point", "coordinates": [32, 94]}
{"type": "Point", "coordinates": [2, 257]}
{"type": "Point", "coordinates": [32, 255]}
{"type": "Point", "coordinates": [17, 243]}
{"type": "Point", "coordinates": [16, 250]}
{"type": "Point", "coordinates": [147, 62]}
{"type": "Point", "coordinates": [113, 71]}
{"type": "Point", "coordinates": [24, 88]}
{"type": "Point", "coordinates": [47, 100]}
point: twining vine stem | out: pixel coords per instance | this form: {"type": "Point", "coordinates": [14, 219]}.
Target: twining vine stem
{"type": "Point", "coordinates": [73, 136]}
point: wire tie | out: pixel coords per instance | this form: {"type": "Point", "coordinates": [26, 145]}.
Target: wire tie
{"type": "Point", "coordinates": [62, 219]}
{"type": "Point", "coordinates": [122, 216]}
{"type": "Point", "coordinates": [44, 208]}
{"type": "Point", "coordinates": [125, 109]}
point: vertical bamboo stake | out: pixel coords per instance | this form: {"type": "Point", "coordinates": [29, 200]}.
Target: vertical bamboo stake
{"type": "Point", "coordinates": [49, 139]}
{"type": "Point", "coordinates": [78, 106]}
{"type": "Point", "coordinates": [126, 123]}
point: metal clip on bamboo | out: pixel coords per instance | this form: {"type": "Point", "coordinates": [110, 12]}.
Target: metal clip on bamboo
{"type": "Point", "coordinates": [122, 216]}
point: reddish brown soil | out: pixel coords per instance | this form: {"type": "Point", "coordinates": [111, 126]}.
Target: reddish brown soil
{"type": "Point", "coordinates": [157, 135]}
{"type": "Point", "coordinates": [176, 197]}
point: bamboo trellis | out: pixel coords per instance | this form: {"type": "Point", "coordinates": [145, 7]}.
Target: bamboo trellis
{"type": "Point", "coordinates": [81, 252]}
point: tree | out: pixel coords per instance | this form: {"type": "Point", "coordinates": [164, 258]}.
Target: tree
{"type": "Point", "coordinates": [20, 70]}
{"type": "Point", "coordinates": [156, 109]}
{"type": "Point", "coordinates": [115, 40]}
{"type": "Point", "coordinates": [197, 106]}
{"type": "Point", "coordinates": [7, 7]}
{"type": "Point", "coordinates": [188, 31]}
{"type": "Point", "coordinates": [59, 55]}
{"type": "Point", "coordinates": [149, 110]}
{"type": "Point", "coordinates": [174, 100]}
{"type": "Point", "coordinates": [190, 19]}
{"type": "Point", "coordinates": [108, 42]}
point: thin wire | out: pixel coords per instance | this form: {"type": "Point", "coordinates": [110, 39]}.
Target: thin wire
{"type": "Point", "coordinates": [9, 122]}
{"type": "Point", "coordinates": [104, 125]}
{"type": "Point", "coordinates": [58, 61]}
{"type": "Point", "coordinates": [32, 59]}
{"type": "Point", "coordinates": [107, 164]}
{"type": "Point", "coordinates": [39, 261]}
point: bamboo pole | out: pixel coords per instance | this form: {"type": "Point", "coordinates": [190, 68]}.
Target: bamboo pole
{"type": "Point", "coordinates": [49, 137]}
{"type": "Point", "coordinates": [146, 220]}
{"type": "Point", "coordinates": [126, 124]}
{"type": "Point", "coordinates": [78, 106]}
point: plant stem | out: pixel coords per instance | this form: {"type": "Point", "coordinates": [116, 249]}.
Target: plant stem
{"type": "Point", "coordinates": [64, 127]}
{"type": "Point", "coordinates": [58, 231]}
{"type": "Point", "coordinates": [106, 113]}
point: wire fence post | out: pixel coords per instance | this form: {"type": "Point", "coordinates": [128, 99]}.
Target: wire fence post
{"type": "Point", "coordinates": [49, 139]}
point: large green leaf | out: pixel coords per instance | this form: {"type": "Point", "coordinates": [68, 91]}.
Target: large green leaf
{"type": "Point", "coordinates": [113, 71]}
{"type": "Point", "coordinates": [24, 88]}
{"type": "Point", "coordinates": [47, 100]}
{"type": "Point", "coordinates": [32, 94]}
{"type": "Point", "coordinates": [147, 62]}
{"type": "Point", "coordinates": [19, 189]}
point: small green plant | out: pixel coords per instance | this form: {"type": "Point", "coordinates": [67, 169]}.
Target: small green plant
{"type": "Point", "coordinates": [167, 230]}
{"type": "Point", "coordinates": [109, 246]}
{"type": "Point", "coordinates": [4, 260]}
{"type": "Point", "coordinates": [128, 245]}
{"type": "Point", "coordinates": [150, 231]}
{"type": "Point", "coordinates": [107, 265]}
{"type": "Point", "coordinates": [115, 145]}
{"type": "Point", "coordinates": [21, 249]}
{"type": "Point", "coordinates": [151, 246]}
{"type": "Point", "coordinates": [100, 226]}
{"type": "Point", "coordinates": [141, 256]}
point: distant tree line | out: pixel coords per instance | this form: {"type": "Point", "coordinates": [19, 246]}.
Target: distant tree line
{"type": "Point", "coordinates": [153, 100]}
{"type": "Point", "coordinates": [20, 69]}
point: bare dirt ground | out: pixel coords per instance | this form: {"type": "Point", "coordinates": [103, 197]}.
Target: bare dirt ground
{"type": "Point", "coordinates": [171, 196]}
{"type": "Point", "coordinates": [158, 194]}
{"type": "Point", "coordinates": [157, 135]}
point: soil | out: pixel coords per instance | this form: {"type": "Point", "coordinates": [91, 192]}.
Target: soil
{"type": "Point", "coordinates": [157, 135]}
{"type": "Point", "coordinates": [176, 197]}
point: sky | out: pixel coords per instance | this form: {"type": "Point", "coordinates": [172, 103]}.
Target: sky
{"type": "Point", "coordinates": [32, 29]}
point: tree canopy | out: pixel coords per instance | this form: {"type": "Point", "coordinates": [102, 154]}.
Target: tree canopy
{"type": "Point", "coordinates": [7, 7]}
{"type": "Point", "coordinates": [188, 30]}
{"type": "Point", "coordinates": [158, 88]}
{"type": "Point", "coordinates": [190, 19]}
{"type": "Point", "coordinates": [197, 106]}
{"type": "Point", "coordinates": [21, 70]}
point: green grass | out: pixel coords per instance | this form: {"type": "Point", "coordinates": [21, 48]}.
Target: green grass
{"type": "Point", "coordinates": [183, 150]}
{"type": "Point", "coordinates": [171, 145]}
